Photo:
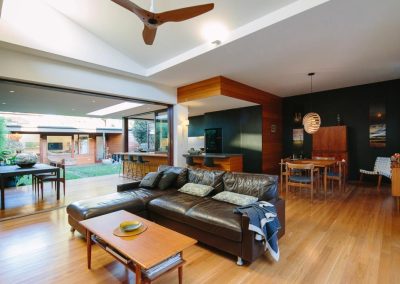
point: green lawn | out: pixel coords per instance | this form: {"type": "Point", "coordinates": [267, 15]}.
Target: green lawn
{"type": "Point", "coordinates": [84, 171]}
{"type": "Point", "coordinates": [77, 172]}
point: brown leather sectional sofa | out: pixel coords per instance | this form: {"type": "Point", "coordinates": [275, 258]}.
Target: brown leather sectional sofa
{"type": "Point", "coordinates": [209, 221]}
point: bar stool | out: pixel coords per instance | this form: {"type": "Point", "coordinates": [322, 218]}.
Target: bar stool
{"type": "Point", "coordinates": [131, 169]}
{"type": "Point", "coordinates": [209, 162]}
{"type": "Point", "coordinates": [124, 160]}
{"type": "Point", "coordinates": [142, 166]}
{"type": "Point", "coordinates": [190, 162]}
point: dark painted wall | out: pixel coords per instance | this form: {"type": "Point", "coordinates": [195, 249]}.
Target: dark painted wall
{"type": "Point", "coordinates": [241, 133]}
{"type": "Point", "coordinates": [353, 106]}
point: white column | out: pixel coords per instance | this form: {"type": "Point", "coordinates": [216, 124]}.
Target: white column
{"type": "Point", "coordinates": [181, 125]}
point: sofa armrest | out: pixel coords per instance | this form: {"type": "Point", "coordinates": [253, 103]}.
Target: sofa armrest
{"type": "Point", "coordinates": [251, 249]}
{"type": "Point", "coordinates": [127, 186]}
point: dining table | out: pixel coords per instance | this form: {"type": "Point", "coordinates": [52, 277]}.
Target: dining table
{"type": "Point", "coordinates": [14, 170]}
{"type": "Point", "coordinates": [322, 164]}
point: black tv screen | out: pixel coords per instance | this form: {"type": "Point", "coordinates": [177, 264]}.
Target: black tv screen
{"type": "Point", "coordinates": [55, 146]}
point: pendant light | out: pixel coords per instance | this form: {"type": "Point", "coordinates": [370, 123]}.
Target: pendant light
{"type": "Point", "coordinates": [312, 120]}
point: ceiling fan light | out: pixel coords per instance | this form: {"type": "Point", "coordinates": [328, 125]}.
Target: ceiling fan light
{"type": "Point", "coordinates": [311, 122]}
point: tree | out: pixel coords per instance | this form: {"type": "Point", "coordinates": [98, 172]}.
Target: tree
{"type": "Point", "coordinates": [3, 132]}
{"type": "Point", "coordinates": [139, 131]}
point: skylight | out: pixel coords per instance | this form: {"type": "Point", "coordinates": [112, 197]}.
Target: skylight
{"type": "Point", "coordinates": [114, 108]}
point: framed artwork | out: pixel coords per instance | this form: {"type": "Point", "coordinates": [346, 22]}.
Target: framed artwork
{"type": "Point", "coordinates": [298, 137]}
{"type": "Point", "coordinates": [377, 125]}
{"type": "Point", "coordinates": [377, 135]}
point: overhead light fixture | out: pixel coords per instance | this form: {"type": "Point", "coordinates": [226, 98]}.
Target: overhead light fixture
{"type": "Point", "coordinates": [114, 108]}
{"type": "Point", "coordinates": [3, 103]}
{"type": "Point", "coordinates": [11, 90]}
{"type": "Point", "coordinates": [312, 120]}
{"type": "Point", "coordinates": [215, 33]}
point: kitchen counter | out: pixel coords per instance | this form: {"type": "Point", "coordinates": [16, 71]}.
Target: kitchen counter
{"type": "Point", "coordinates": [144, 154]}
{"type": "Point", "coordinates": [223, 161]}
{"type": "Point", "coordinates": [213, 155]}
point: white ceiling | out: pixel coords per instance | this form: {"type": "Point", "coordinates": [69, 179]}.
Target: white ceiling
{"type": "Point", "coordinates": [272, 45]}
{"type": "Point", "coordinates": [215, 103]}
{"type": "Point", "coordinates": [29, 99]}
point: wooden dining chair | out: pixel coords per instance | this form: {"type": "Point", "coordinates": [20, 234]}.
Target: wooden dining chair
{"type": "Point", "coordinates": [283, 172]}
{"type": "Point", "coordinates": [36, 178]}
{"type": "Point", "coordinates": [53, 178]}
{"type": "Point", "coordinates": [338, 174]}
{"type": "Point", "coordinates": [309, 179]}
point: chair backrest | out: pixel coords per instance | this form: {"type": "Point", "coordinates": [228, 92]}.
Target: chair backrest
{"type": "Point", "coordinates": [383, 166]}
{"type": "Point", "coordinates": [290, 166]}
{"type": "Point", "coordinates": [209, 162]}
{"type": "Point", "coordinates": [324, 158]}
{"type": "Point", "coordinates": [189, 161]}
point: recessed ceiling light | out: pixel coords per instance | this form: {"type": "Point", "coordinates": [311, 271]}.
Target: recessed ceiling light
{"type": "Point", "coordinates": [3, 103]}
{"type": "Point", "coordinates": [93, 101]}
{"type": "Point", "coordinates": [215, 33]}
{"type": "Point", "coordinates": [12, 91]}
{"type": "Point", "coordinates": [114, 108]}
{"type": "Point", "coordinates": [73, 109]}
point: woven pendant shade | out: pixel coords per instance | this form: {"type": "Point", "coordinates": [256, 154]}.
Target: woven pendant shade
{"type": "Point", "coordinates": [311, 122]}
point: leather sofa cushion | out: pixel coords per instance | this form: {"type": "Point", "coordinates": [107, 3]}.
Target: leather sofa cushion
{"type": "Point", "coordinates": [101, 205]}
{"type": "Point", "coordinates": [265, 187]}
{"type": "Point", "coordinates": [217, 218]}
{"type": "Point", "coordinates": [181, 172]}
{"type": "Point", "coordinates": [150, 180]}
{"type": "Point", "coordinates": [174, 206]}
{"type": "Point", "coordinates": [132, 201]}
{"type": "Point", "coordinates": [206, 177]}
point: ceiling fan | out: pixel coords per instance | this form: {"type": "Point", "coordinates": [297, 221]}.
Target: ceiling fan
{"type": "Point", "coordinates": [152, 20]}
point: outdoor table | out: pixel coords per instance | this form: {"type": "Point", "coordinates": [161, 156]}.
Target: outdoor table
{"type": "Point", "coordinates": [13, 171]}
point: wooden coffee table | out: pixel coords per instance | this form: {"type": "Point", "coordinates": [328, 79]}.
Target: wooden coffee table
{"type": "Point", "coordinates": [142, 251]}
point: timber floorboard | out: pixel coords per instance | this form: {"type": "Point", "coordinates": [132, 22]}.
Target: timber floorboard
{"type": "Point", "coordinates": [349, 238]}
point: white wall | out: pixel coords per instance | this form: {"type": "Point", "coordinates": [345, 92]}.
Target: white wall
{"type": "Point", "coordinates": [181, 115]}
{"type": "Point", "coordinates": [35, 68]}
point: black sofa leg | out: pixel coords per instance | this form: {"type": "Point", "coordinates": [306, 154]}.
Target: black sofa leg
{"type": "Point", "coordinates": [72, 230]}
{"type": "Point", "coordinates": [239, 261]}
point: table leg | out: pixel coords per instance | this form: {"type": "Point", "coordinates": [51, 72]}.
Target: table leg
{"type": "Point", "coordinates": [3, 202]}
{"type": "Point", "coordinates": [325, 180]}
{"type": "Point", "coordinates": [58, 184]}
{"type": "Point", "coordinates": [180, 274]}
{"type": "Point", "coordinates": [89, 248]}
{"type": "Point", "coordinates": [138, 273]}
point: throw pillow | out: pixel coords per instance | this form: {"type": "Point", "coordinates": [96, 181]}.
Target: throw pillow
{"type": "Point", "coordinates": [151, 180]}
{"type": "Point", "coordinates": [235, 198]}
{"type": "Point", "coordinates": [196, 189]}
{"type": "Point", "coordinates": [167, 179]}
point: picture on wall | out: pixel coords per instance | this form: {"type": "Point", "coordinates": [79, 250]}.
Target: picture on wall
{"type": "Point", "coordinates": [298, 137]}
{"type": "Point", "coordinates": [377, 127]}
{"type": "Point", "coordinates": [377, 135]}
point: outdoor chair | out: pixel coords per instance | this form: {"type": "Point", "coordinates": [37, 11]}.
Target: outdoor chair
{"type": "Point", "coordinates": [382, 167]}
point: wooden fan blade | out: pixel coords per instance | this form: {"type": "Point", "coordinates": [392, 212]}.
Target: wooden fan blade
{"type": "Point", "coordinates": [141, 13]}
{"type": "Point", "coordinates": [149, 35]}
{"type": "Point", "coordinates": [184, 13]}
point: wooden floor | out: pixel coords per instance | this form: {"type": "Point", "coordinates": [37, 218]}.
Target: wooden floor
{"type": "Point", "coordinates": [350, 239]}
{"type": "Point", "coordinates": [23, 201]}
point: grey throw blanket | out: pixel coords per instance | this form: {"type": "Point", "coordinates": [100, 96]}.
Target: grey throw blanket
{"type": "Point", "coordinates": [264, 222]}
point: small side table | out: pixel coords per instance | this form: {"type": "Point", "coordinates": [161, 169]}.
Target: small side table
{"type": "Point", "coordinates": [396, 183]}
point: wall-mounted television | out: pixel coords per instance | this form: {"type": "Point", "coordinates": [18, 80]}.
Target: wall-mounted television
{"type": "Point", "coordinates": [55, 146]}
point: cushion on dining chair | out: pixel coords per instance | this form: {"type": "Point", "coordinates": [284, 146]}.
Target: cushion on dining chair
{"type": "Point", "coordinates": [303, 179]}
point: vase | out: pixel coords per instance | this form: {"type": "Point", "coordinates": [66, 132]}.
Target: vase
{"type": "Point", "coordinates": [26, 160]}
